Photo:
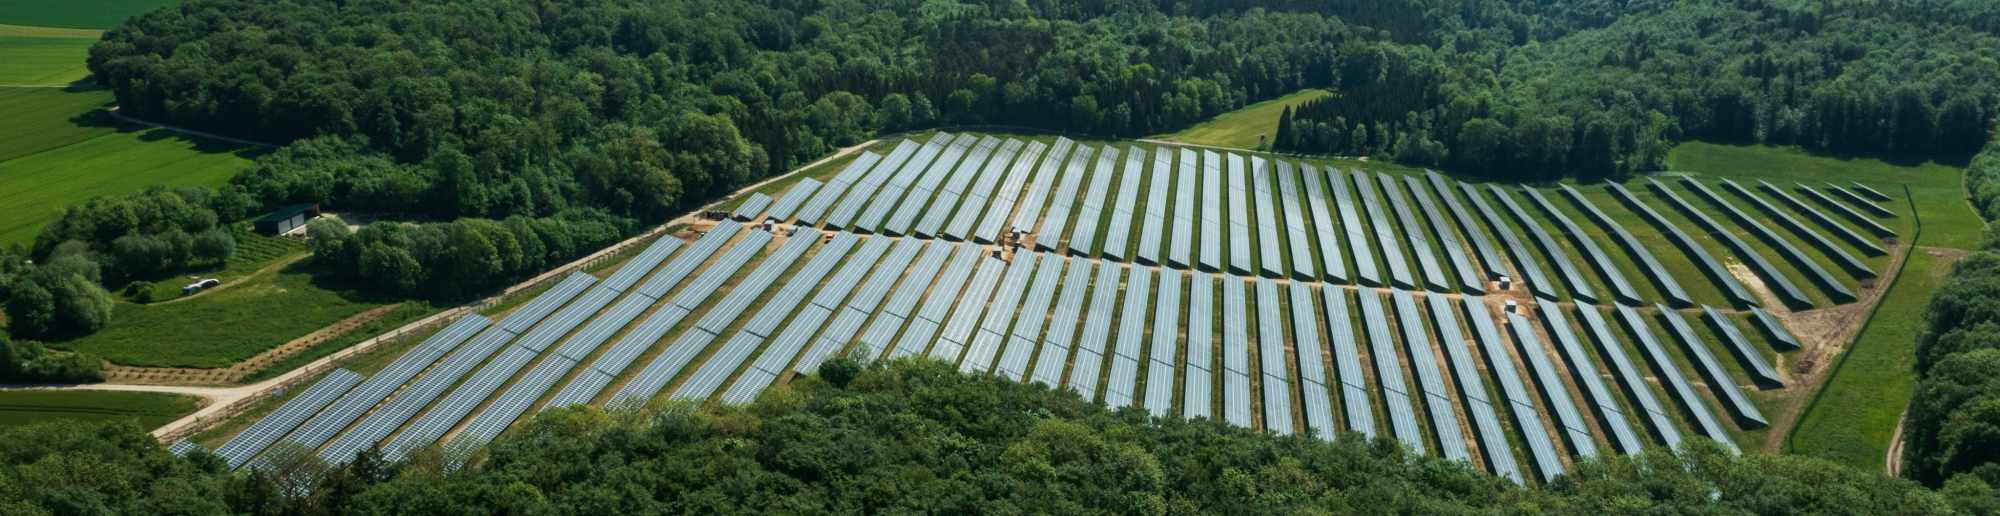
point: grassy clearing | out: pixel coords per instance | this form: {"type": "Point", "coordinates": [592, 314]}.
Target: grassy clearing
{"type": "Point", "coordinates": [40, 56]}
{"type": "Point", "coordinates": [62, 151]}
{"type": "Point", "coordinates": [93, 14]}
{"type": "Point", "coordinates": [223, 327]}
{"type": "Point", "coordinates": [40, 406]}
{"type": "Point", "coordinates": [1243, 128]}
{"type": "Point", "coordinates": [1939, 190]}
{"type": "Point", "coordinates": [1858, 410]}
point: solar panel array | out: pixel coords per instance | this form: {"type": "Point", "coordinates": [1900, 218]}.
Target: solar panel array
{"type": "Point", "coordinates": [1833, 251]}
{"type": "Point", "coordinates": [1848, 212]}
{"type": "Point", "coordinates": [1773, 278]}
{"type": "Point", "coordinates": [1128, 333]}
{"type": "Point", "coordinates": [1731, 289]}
{"type": "Point", "coordinates": [1865, 244]}
{"type": "Point", "coordinates": [1857, 200]}
{"type": "Point", "coordinates": [1792, 253]}
{"type": "Point", "coordinates": [267, 430]}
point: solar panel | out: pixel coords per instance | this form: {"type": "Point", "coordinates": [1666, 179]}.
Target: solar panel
{"type": "Point", "coordinates": [798, 333]}
{"type": "Point", "coordinates": [1180, 248]}
{"type": "Point", "coordinates": [184, 448]}
{"type": "Point", "coordinates": [1211, 220]}
{"type": "Point", "coordinates": [1385, 236]}
{"type": "Point", "coordinates": [1805, 263]}
{"type": "Point", "coordinates": [925, 188]}
{"type": "Point", "coordinates": [823, 199]}
{"type": "Point", "coordinates": [1165, 350]}
{"type": "Point", "coordinates": [642, 264]}
{"type": "Point", "coordinates": [1520, 402]}
{"type": "Point", "coordinates": [1331, 263]}
{"type": "Point", "coordinates": [1420, 243]}
{"type": "Point", "coordinates": [1347, 361]}
{"type": "Point", "coordinates": [1869, 192]}
{"type": "Point", "coordinates": [1839, 255]}
{"type": "Point", "coordinates": [504, 410]}
{"type": "Point", "coordinates": [1578, 286]}
{"type": "Point", "coordinates": [1687, 246]}
{"type": "Point", "coordinates": [1088, 364]}
{"type": "Point", "coordinates": [1584, 373]}
{"type": "Point", "coordinates": [957, 331]}
{"type": "Point", "coordinates": [1753, 362]}
{"type": "Point", "coordinates": [1629, 376]}
{"type": "Point", "coordinates": [1670, 374]}
{"type": "Point", "coordinates": [412, 399]}
{"type": "Point", "coordinates": [1486, 425]}
{"type": "Point", "coordinates": [1488, 255]}
{"type": "Point", "coordinates": [1235, 353]}
{"type": "Point", "coordinates": [268, 429]}
{"type": "Point", "coordinates": [1122, 390]}
{"type": "Point", "coordinates": [524, 316]}
{"type": "Point", "coordinates": [788, 205]}
{"type": "Point", "coordinates": [902, 305]}
{"type": "Point", "coordinates": [724, 313]}
{"type": "Point", "coordinates": [1461, 264]}
{"type": "Point", "coordinates": [1531, 270]}
{"type": "Point", "coordinates": [1083, 239]}
{"type": "Point", "coordinates": [999, 315]}
{"type": "Point", "coordinates": [1863, 202]}
{"type": "Point", "coordinates": [947, 198]}
{"type": "Point", "coordinates": [1118, 233]}
{"type": "Point", "coordinates": [1318, 407]}
{"type": "Point", "coordinates": [1718, 379]}
{"type": "Point", "coordinates": [979, 194]}
{"type": "Point", "coordinates": [930, 316]}
{"type": "Point", "coordinates": [1848, 212]}
{"type": "Point", "coordinates": [1773, 330]}
{"type": "Point", "coordinates": [1030, 213]}
{"type": "Point", "coordinates": [1620, 287]}
{"type": "Point", "coordinates": [1271, 360]}
{"type": "Point", "coordinates": [1197, 398]}
{"type": "Point", "coordinates": [692, 341]}
{"type": "Point", "coordinates": [1567, 418]}
{"type": "Point", "coordinates": [1430, 378]}
{"type": "Point", "coordinates": [1779, 283]}
{"type": "Point", "coordinates": [1297, 238]}
{"type": "Point", "coordinates": [452, 409]}
{"type": "Point", "coordinates": [1669, 288]}
{"type": "Point", "coordinates": [1000, 206]}
{"type": "Point", "coordinates": [1389, 372]}
{"type": "Point", "coordinates": [1061, 335]}
{"type": "Point", "coordinates": [685, 263]}
{"type": "Point", "coordinates": [1028, 325]}
{"type": "Point", "coordinates": [1865, 244]}
{"type": "Point", "coordinates": [1240, 234]}
{"type": "Point", "coordinates": [848, 212]}
{"type": "Point", "coordinates": [351, 405]}
{"type": "Point", "coordinates": [1154, 229]}
{"type": "Point", "coordinates": [751, 207]}
{"type": "Point", "coordinates": [866, 299]}
{"type": "Point", "coordinates": [875, 214]}
{"type": "Point", "coordinates": [1049, 237]}
{"type": "Point", "coordinates": [1270, 253]}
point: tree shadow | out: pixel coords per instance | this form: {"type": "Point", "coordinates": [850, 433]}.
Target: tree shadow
{"type": "Point", "coordinates": [102, 118]}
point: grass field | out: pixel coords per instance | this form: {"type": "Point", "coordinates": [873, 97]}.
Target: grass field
{"type": "Point", "coordinates": [40, 406]}
{"type": "Point", "coordinates": [39, 56]}
{"type": "Point", "coordinates": [223, 327]}
{"type": "Point", "coordinates": [1242, 128]}
{"type": "Point", "coordinates": [1939, 190]}
{"type": "Point", "coordinates": [1854, 418]}
{"type": "Point", "coordinates": [86, 14]}
{"type": "Point", "coordinates": [58, 150]}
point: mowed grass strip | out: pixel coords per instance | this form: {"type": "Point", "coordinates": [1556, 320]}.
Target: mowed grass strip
{"type": "Point", "coordinates": [43, 56]}
{"type": "Point", "coordinates": [223, 327]}
{"type": "Point", "coordinates": [1857, 412]}
{"type": "Point", "coordinates": [150, 409]}
{"type": "Point", "coordinates": [1242, 128]}
{"type": "Point", "coordinates": [91, 14]}
{"type": "Point", "coordinates": [54, 173]}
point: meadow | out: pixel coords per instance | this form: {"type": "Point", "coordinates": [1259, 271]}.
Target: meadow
{"type": "Point", "coordinates": [1242, 128]}
{"type": "Point", "coordinates": [44, 56]}
{"type": "Point", "coordinates": [150, 410]}
{"type": "Point", "coordinates": [91, 14]}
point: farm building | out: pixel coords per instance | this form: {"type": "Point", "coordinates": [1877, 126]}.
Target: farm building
{"type": "Point", "coordinates": [286, 219]}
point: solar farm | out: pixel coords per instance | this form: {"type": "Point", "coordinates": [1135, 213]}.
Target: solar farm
{"type": "Point", "coordinates": [1517, 328]}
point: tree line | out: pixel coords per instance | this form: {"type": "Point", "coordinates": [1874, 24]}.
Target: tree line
{"type": "Point", "coordinates": [917, 436]}
{"type": "Point", "coordinates": [1609, 95]}
{"type": "Point", "coordinates": [1952, 430]}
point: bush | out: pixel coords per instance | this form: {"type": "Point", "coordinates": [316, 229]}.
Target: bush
{"type": "Point", "coordinates": [28, 362]}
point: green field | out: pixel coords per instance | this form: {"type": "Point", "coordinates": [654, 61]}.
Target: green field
{"type": "Point", "coordinates": [41, 56]}
{"type": "Point", "coordinates": [1939, 190]}
{"type": "Point", "coordinates": [1856, 414]}
{"type": "Point", "coordinates": [222, 327]}
{"type": "Point", "coordinates": [85, 14]}
{"type": "Point", "coordinates": [58, 150]}
{"type": "Point", "coordinates": [1243, 127]}
{"type": "Point", "coordinates": [39, 406]}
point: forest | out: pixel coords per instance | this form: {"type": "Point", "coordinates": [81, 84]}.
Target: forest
{"type": "Point", "coordinates": [917, 436]}
{"type": "Point", "coordinates": [1953, 425]}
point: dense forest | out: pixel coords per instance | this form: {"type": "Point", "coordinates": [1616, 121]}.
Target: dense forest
{"type": "Point", "coordinates": [1609, 97]}
{"type": "Point", "coordinates": [919, 437]}
{"type": "Point", "coordinates": [1953, 425]}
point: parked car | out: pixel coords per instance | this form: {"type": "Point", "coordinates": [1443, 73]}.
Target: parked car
{"type": "Point", "coordinates": [198, 285]}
